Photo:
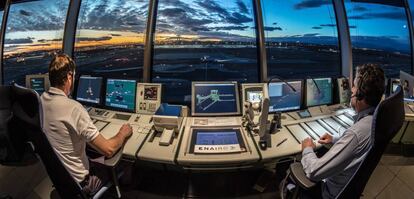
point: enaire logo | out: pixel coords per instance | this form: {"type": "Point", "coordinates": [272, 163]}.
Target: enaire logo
{"type": "Point", "coordinates": [213, 148]}
{"type": "Point", "coordinates": [216, 148]}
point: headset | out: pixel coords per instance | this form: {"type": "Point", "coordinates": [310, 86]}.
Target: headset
{"type": "Point", "coordinates": [360, 94]}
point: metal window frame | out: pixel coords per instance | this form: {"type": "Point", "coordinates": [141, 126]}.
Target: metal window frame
{"type": "Point", "coordinates": [261, 41]}
{"type": "Point", "coordinates": [149, 41]}
{"type": "Point", "coordinates": [2, 36]}
{"type": "Point", "coordinates": [410, 29]}
{"type": "Point", "coordinates": [344, 38]}
{"type": "Point", "coordinates": [69, 32]}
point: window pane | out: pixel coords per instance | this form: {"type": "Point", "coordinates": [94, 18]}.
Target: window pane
{"type": "Point", "coordinates": [301, 38]}
{"type": "Point", "coordinates": [379, 34]}
{"type": "Point", "coordinates": [203, 41]}
{"type": "Point", "coordinates": [110, 38]}
{"type": "Point", "coordinates": [33, 36]}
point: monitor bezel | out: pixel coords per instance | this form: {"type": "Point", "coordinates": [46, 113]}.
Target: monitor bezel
{"type": "Point", "coordinates": [45, 77]}
{"type": "Point", "coordinates": [236, 92]}
{"type": "Point", "coordinates": [101, 94]}
{"type": "Point", "coordinates": [117, 108]}
{"type": "Point", "coordinates": [301, 95]}
{"type": "Point", "coordinates": [306, 96]}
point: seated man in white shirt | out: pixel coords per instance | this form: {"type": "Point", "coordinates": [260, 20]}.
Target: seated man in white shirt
{"type": "Point", "coordinates": [68, 128]}
{"type": "Point", "coordinates": [336, 167]}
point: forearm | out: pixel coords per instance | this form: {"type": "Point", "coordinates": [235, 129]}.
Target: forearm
{"type": "Point", "coordinates": [108, 147]}
{"type": "Point", "coordinates": [336, 159]}
{"type": "Point", "coordinates": [113, 144]}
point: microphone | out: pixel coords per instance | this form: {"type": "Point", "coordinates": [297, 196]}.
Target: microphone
{"type": "Point", "coordinates": [316, 85]}
{"type": "Point", "coordinates": [280, 79]}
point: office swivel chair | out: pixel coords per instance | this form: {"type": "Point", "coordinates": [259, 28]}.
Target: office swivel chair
{"type": "Point", "coordinates": [27, 109]}
{"type": "Point", "coordinates": [387, 120]}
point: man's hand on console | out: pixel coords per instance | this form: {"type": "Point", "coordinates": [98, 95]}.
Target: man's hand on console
{"type": "Point", "coordinates": [325, 139]}
{"type": "Point", "coordinates": [126, 130]}
{"type": "Point", "coordinates": [308, 142]}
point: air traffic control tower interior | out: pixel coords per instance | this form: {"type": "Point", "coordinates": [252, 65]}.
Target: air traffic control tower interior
{"type": "Point", "coordinates": [207, 99]}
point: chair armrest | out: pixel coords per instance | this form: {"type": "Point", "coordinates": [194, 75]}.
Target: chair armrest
{"type": "Point", "coordinates": [113, 161]}
{"type": "Point", "coordinates": [299, 176]}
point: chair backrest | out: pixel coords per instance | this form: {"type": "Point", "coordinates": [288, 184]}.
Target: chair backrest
{"type": "Point", "coordinates": [6, 146]}
{"type": "Point", "coordinates": [14, 150]}
{"type": "Point", "coordinates": [387, 120]}
{"type": "Point", "coordinates": [27, 108]}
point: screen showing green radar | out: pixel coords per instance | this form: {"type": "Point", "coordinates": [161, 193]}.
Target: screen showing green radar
{"type": "Point", "coordinates": [120, 93]}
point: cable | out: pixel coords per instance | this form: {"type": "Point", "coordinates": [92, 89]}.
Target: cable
{"type": "Point", "coordinates": [280, 79]}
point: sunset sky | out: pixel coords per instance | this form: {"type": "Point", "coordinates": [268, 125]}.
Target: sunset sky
{"type": "Point", "coordinates": [39, 24]}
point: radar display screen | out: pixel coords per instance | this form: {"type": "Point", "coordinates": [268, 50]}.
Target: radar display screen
{"type": "Point", "coordinates": [319, 94]}
{"type": "Point", "coordinates": [215, 99]}
{"type": "Point", "coordinates": [37, 84]}
{"type": "Point", "coordinates": [89, 89]}
{"type": "Point", "coordinates": [283, 98]}
{"type": "Point", "coordinates": [120, 93]}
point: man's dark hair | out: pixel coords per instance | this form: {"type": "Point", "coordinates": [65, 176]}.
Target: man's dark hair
{"type": "Point", "coordinates": [370, 83]}
{"type": "Point", "coordinates": [60, 66]}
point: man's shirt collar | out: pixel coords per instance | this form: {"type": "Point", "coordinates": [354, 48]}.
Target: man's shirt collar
{"type": "Point", "coordinates": [56, 91]}
{"type": "Point", "coordinates": [364, 113]}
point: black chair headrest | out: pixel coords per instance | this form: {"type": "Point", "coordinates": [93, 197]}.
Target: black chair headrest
{"type": "Point", "coordinates": [26, 104]}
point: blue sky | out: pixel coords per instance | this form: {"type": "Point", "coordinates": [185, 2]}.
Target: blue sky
{"type": "Point", "coordinates": [294, 18]}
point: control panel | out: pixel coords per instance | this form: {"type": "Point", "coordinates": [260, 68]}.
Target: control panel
{"type": "Point", "coordinates": [109, 122]}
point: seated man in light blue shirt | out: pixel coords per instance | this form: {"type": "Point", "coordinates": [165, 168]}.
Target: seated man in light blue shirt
{"type": "Point", "coordinates": [336, 167]}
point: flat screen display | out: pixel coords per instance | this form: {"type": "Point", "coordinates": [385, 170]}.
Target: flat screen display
{"type": "Point", "coordinates": [120, 93]}
{"type": "Point", "coordinates": [151, 93]}
{"type": "Point", "coordinates": [89, 89]}
{"type": "Point", "coordinates": [215, 99]}
{"type": "Point", "coordinates": [213, 141]}
{"type": "Point", "coordinates": [216, 138]}
{"type": "Point", "coordinates": [254, 96]}
{"type": "Point", "coordinates": [37, 84]}
{"type": "Point", "coordinates": [283, 98]}
{"type": "Point", "coordinates": [319, 94]}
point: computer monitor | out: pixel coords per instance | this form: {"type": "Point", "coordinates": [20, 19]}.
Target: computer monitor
{"type": "Point", "coordinates": [120, 94]}
{"type": "Point", "coordinates": [283, 98]}
{"type": "Point", "coordinates": [319, 93]}
{"type": "Point", "coordinates": [394, 83]}
{"type": "Point", "coordinates": [407, 83]}
{"type": "Point", "coordinates": [39, 83]}
{"type": "Point", "coordinates": [89, 89]}
{"type": "Point", "coordinates": [215, 98]}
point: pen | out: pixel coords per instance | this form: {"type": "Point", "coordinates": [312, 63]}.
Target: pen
{"type": "Point", "coordinates": [281, 142]}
